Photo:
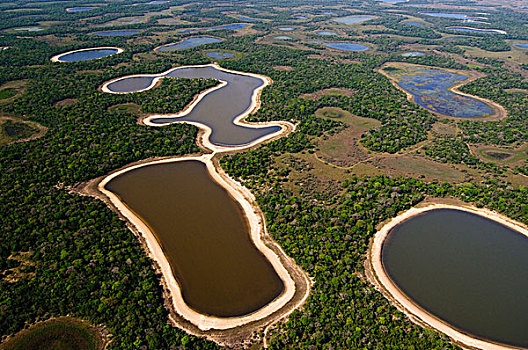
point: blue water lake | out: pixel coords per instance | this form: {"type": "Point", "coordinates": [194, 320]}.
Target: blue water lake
{"type": "Point", "coordinates": [235, 26]}
{"type": "Point", "coordinates": [286, 29]}
{"type": "Point", "coordinates": [347, 46]}
{"type": "Point", "coordinates": [87, 55]}
{"type": "Point", "coordinates": [326, 33]}
{"type": "Point", "coordinates": [189, 43]}
{"type": "Point", "coordinates": [220, 55]}
{"type": "Point", "coordinates": [417, 24]}
{"type": "Point", "coordinates": [117, 33]}
{"type": "Point", "coordinates": [475, 30]}
{"type": "Point", "coordinates": [445, 15]}
{"type": "Point", "coordinates": [430, 90]}
{"type": "Point", "coordinates": [283, 37]}
{"type": "Point", "coordinates": [524, 46]}
{"type": "Point", "coordinates": [80, 9]}
{"type": "Point", "coordinates": [352, 19]}
{"type": "Point", "coordinates": [301, 17]}
{"type": "Point", "coordinates": [247, 19]}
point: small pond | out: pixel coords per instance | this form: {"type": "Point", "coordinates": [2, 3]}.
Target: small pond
{"type": "Point", "coordinates": [283, 37]}
{"type": "Point", "coordinates": [413, 54]}
{"type": "Point", "coordinates": [220, 55]}
{"type": "Point", "coordinates": [87, 55]}
{"type": "Point", "coordinates": [347, 46]}
{"type": "Point", "coordinates": [326, 33]}
{"type": "Point", "coordinates": [352, 19]}
{"type": "Point", "coordinates": [286, 29]}
{"type": "Point", "coordinates": [189, 43]}
{"type": "Point", "coordinates": [429, 88]}
{"type": "Point", "coordinates": [80, 9]}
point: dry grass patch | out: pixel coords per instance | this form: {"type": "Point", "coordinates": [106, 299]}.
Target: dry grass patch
{"type": "Point", "coordinates": [418, 167]}
{"type": "Point", "coordinates": [126, 108]}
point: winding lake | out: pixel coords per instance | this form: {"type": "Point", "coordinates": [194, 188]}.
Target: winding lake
{"type": "Point", "coordinates": [189, 43]}
{"type": "Point", "coordinates": [429, 88]}
{"type": "Point", "coordinates": [204, 235]}
{"type": "Point", "coordinates": [87, 55]}
{"type": "Point", "coordinates": [217, 110]}
{"type": "Point", "coordinates": [467, 270]}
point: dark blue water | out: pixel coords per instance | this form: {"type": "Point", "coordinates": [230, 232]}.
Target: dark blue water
{"type": "Point", "coordinates": [189, 43]}
{"type": "Point", "coordinates": [469, 271]}
{"type": "Point", "coordinates": [217, 110]}
{"type": "Point", "coordinates": [117, 33]}
{"type": "Point", "coordinates": [429, 88]}
{"type": "Point", "coordinates": [347, 46]}
{"type": "Point", "coordinates": [220, 55]}
{"type": "Point", "coordinates": [87, 55]}
{"type": "Point", "coordinates": [417, 24]}
{"type": "Point", "coordinates": [80, 9]}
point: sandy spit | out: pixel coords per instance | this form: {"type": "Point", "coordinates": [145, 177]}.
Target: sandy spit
{"type": "Point", "coordinates": [56, 58]}
{"type": "Point", "coordinates": [378, 276]}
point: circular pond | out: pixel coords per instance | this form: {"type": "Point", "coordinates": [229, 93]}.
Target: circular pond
{"type": "Point", "coordinates": [469, 270]}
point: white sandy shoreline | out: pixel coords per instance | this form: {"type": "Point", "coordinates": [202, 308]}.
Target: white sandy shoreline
{"type": "Point", "coordinates": [56, 58]}
{"type": "Point", "coordinates": [383, 282]}
{"type": "Point", "coordinates": [296, 289]}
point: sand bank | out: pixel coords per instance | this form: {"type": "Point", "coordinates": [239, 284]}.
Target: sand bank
{"type": "Point", "coordinates": [384, 284]}
{"type": "Point", "coordinates": [56, 58]}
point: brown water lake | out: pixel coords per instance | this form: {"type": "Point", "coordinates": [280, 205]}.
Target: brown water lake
{"type": "Point", "coordinates": [204, 235]}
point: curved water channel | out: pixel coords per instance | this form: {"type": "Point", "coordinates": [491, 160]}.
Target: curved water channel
{"type": "Point", "coordinates": [462, 270]}
{"type": "Point", "coordinates": [204, 229]}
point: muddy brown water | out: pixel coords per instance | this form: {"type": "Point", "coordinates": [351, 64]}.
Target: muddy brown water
{"type": "Point", "coordinates": [204, 234]}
